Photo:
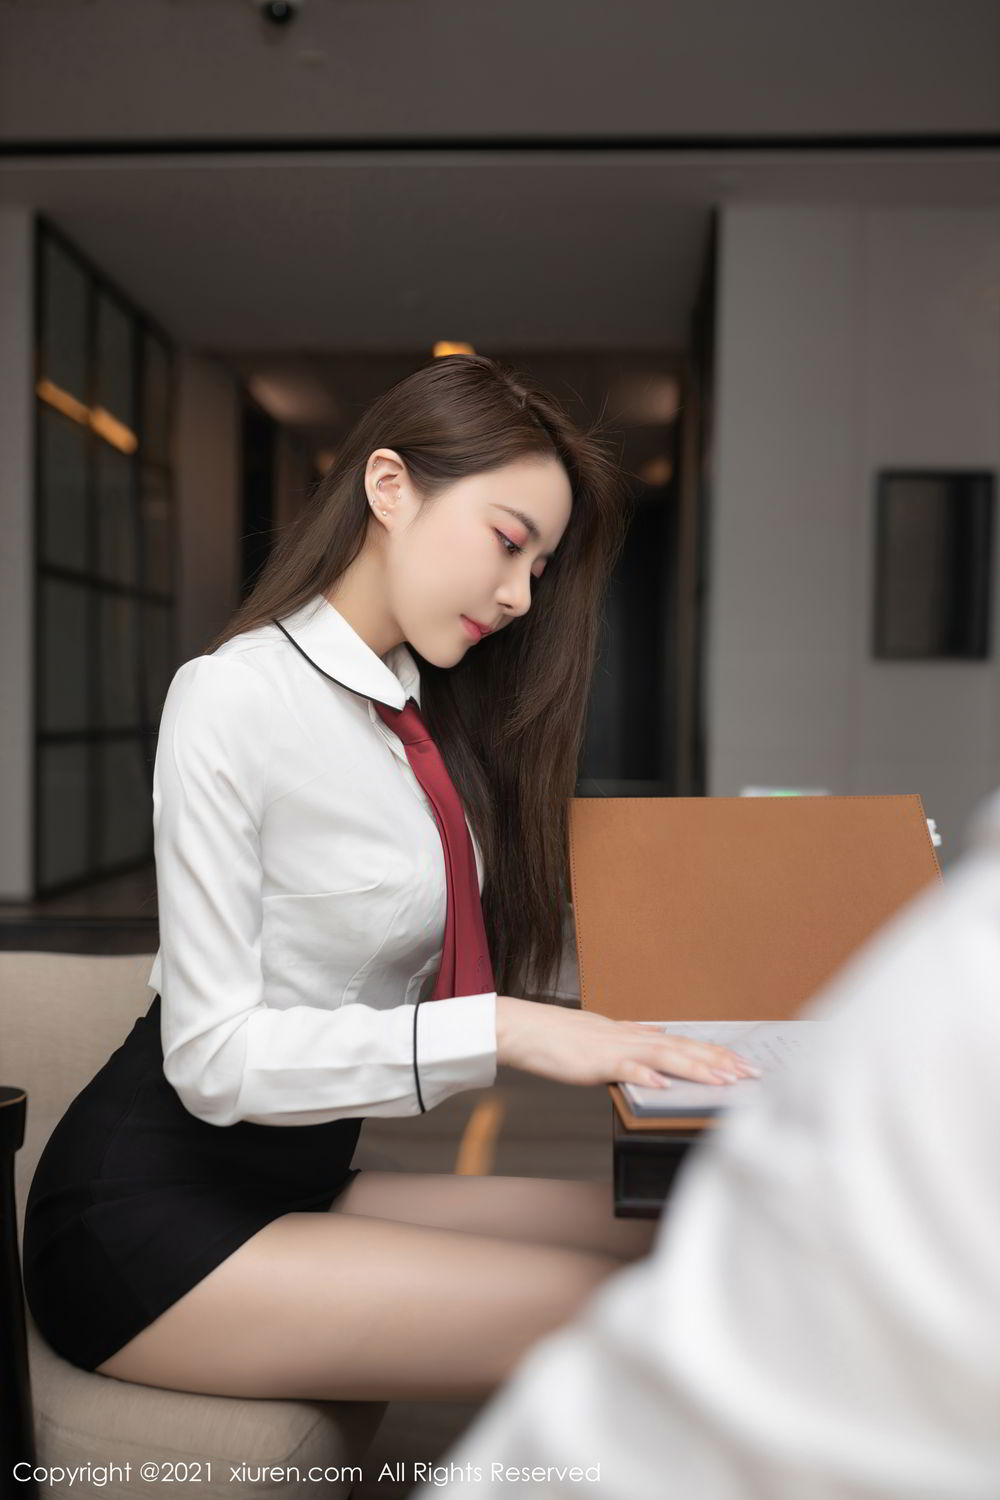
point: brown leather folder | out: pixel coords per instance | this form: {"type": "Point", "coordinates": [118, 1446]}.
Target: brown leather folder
{"type": "Point", "coordinates": [732, 908]}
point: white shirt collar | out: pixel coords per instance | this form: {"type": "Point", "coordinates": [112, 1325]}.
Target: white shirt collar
{"type": "Point", "coordinates": [323, 635]}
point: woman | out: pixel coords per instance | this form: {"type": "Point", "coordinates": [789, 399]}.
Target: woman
{"type": "Point", "coordinates": [195, 1221]}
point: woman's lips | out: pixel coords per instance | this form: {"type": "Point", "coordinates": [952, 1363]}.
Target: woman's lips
{"type": "Point", "coordinates": [472, 628]}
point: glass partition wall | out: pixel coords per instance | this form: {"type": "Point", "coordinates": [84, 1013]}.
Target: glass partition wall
{"type": "Point", "coordinates": [105, 559]}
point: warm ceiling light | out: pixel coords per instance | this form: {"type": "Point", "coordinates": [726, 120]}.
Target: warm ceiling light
{"type": "Point", "coordinates": [294, 395]}
{"type": "Point", "coordinates": [104, 424]}
{"type": "Point", "coordinates": [444, 346]}
{"type": "Point", "coordinates": [63, 401]}
{"type": "Point", "coordinates": [656, 471]}
{"type": "Point", "coordinates": [646, 400]}
{"type": "Point", "coordinates": [113, 431]}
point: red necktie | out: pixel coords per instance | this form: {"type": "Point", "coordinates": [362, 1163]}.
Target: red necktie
{"type": "Point", "coordinates": [465, 959]}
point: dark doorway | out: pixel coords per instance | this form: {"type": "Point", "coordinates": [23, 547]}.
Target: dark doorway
{"type": "Point", "coordinates": [259, 440]}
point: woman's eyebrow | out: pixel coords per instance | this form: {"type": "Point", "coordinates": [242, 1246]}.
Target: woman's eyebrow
{"type": "Point", "coordinates": [525, 521]}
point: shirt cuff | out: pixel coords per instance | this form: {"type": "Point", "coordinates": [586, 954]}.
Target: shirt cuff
{"type": "Point", "coordinates": [456, 1045]}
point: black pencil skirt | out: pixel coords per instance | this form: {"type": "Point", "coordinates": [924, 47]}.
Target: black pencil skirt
{"type": "Point", "coordinates": [135, 1199]}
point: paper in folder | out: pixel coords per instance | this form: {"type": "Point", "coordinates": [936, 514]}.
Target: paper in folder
{"type": "Point", "coordinates": [770, 1046]}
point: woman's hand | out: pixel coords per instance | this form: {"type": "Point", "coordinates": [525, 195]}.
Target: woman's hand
{"type": "Point", "coordinates": [577, 1046]}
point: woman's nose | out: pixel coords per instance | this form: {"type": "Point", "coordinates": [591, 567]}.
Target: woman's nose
{"type": "Point", "coordinates": [515, 596]}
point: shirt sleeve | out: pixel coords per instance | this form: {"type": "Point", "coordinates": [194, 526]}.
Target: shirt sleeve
{"type": "Point", "coordinates": [229, 1055]}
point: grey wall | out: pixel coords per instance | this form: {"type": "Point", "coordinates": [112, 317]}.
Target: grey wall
{"type": "Point", "coordinates": [17, 710]}
{"type": "Point", "coordinates": [849, 340]}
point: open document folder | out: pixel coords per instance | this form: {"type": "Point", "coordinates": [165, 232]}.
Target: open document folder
{"type": "Point", "coordinates": [715, 909]}
{"type": "Point", "coordinates": [770, 1045]}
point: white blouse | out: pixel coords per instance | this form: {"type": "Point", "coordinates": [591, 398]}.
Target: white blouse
{"type": "Point", "coordinates": [302, 890]}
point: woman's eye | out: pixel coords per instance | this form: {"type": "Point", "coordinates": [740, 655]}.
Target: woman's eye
{"type": "Point", "coordinates": [508, 546]}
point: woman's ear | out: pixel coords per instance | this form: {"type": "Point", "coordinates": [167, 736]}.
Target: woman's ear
{"type": "Point", "coordinates": [387, 477]}
{"type": "Point", "coordinates": [387, 481]}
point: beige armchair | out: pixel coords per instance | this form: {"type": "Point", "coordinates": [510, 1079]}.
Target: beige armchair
{"type": "Point", "coordinates": [61, 1016]}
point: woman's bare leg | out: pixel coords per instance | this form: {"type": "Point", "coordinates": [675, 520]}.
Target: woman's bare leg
{"type": "Point", "coordinates": [536, 1210]}
{"type": "Point", "coordinates": [338, 1306]}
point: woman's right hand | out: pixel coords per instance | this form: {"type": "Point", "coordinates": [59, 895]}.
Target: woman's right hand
{"type": "Point", "coordinates": [579, 1046]}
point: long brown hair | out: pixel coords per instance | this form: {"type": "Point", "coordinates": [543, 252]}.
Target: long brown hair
{"type": "Point", "coordinates": [509, 718]}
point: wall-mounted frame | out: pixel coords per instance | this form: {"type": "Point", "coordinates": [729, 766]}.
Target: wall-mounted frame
{"type": "Point", "coordinates": [933, 564]}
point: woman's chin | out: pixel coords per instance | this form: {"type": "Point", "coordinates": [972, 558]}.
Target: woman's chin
{"type": "Point", "coordinates": [445, 648]}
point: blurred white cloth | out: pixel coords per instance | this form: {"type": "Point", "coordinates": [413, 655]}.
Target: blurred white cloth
{"type": "Point", "coordinates": [819, 1318]}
